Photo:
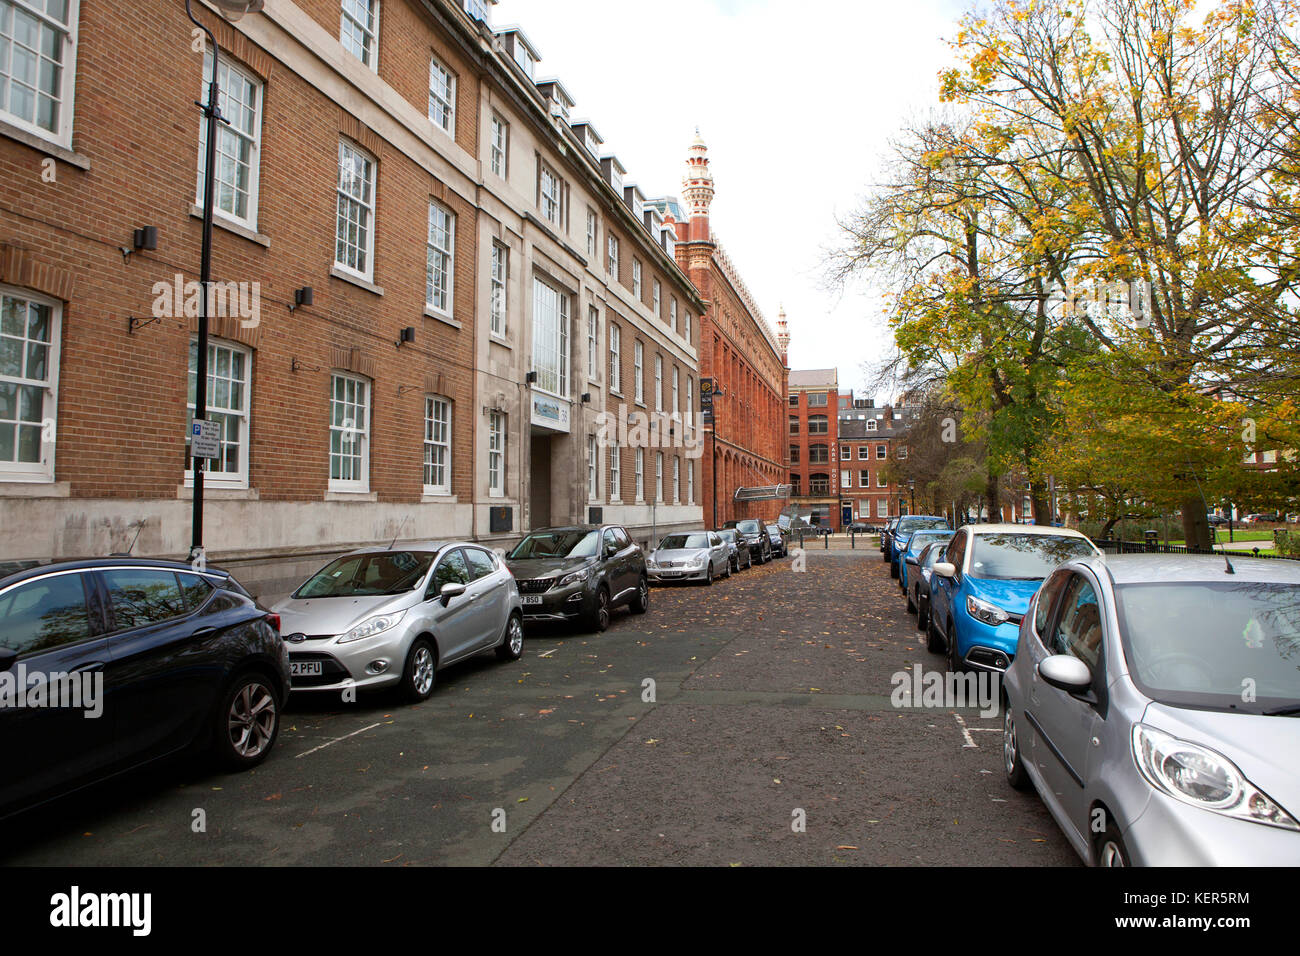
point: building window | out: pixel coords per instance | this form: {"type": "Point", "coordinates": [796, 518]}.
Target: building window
{"type": "Point", "coordinates": [659, 476]}
{"type": "Point", "coordinates": [37, 50]}
{"type": "Point", "coordinates": [880, 480]}
{"type": "Point", "coordinates": [593, 341]}
{"type": "Point", "coordinates": [499, 149]}
{"type": "Point", "coordinates": [846, 453]}
{"type": "Point", "coordinates": [496, 453]}
{"type": "Point", "coordinates": [690, 483]}
{"type": "Point", "coordinates": [881, 452]}
{"type": "Point", "coordinates": [656, 298]}
{"type": "Point", "coordinates": [871, 424]}
{"type": "Point", "coordinates": [690, 403]}
{"type": "Point", "coordinates": [437, 445]}
{"type": "Point", "coordinates": [686, 334]}
{"type": "Point", "coordinates": [349, 433]}
{"type": "Point", "coordinates": [640, 474]}
{"type": "Point", "coordinates": [818, 425]}
{"type": "Point", "coordinates": [227, 403]}
{"type": "Point", "coordinates": [551, 339]}
{"type": "Point", "coordinates": [442, 97]}
{"type": "Point", "coordinates": [901, 454]}
{"type": "Point", "coordinates": [677, 408]}
{"type": "Point", "coordinates": [615, 360]}
{"type": "Point", "coordinates": [794, 400]}
{"type": "Point", "coordinates": [638, 372]}
{"type": "Point", "coordinates": [500, 276]}
{"type": "Point", "coordinates": [796, 486]}
{"type": "Point", "coordinates": [438, 278]}
{"type": "Point", "coordinates": [677, 480]}
{"type": "Point", "coordinates": [353, 235]}
{"type": "Point", "coordinates": [672, 313]}
{"type": "Point", "coordinates": [818, 454]}
{"type": "Point", "coordinates": [816, 399]}
{"type": "Point", "coordinates": [882, 507]}
{"type": "Point", "coordinates": [591, 234]}
{"type": "Point", "coordinates": [359, 33]}
{"type": "Point", "coordinates": [612, 265]}
{"type": "Point", "coordinates": [846, 480]}
{"type": "Point", "coordinates": [659, 383]}
{"type": "Point", "coordinates": [794, 424]}
{"type": "Point", "coordinates": [864, 478]}
{"type": "Point", "coordinates": [592, 461]}
{"type": "Point", "coordinates": [819, 484]}
{"type": "Point", "coordinates": [636, 278]}
{"type": "Point", "coordinates": [794, 454]}
{"type": "Point", "coordinates": [234, 188]}
{"type": "Point", "coordinates": [549, 194]}
{"type": "Point", "coordinates": [864, 453]}
{"type": "Point", "coordinates": [29, 372]}
{"type": "Point", "coordinates": [615, 472]}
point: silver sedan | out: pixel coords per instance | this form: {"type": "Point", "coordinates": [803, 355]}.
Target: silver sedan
{"type": "Point", "coordinates": [1154, 704]}
{"type": "Point", "coordinates": [378, 617]}
{"type": "Point", "coordinates": [689, 556]}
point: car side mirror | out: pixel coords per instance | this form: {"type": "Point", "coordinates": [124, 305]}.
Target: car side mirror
{"type": "Point", "coordinates": [7, 657]}
{"type": "Point", "coordinates": [450, 590]}
{"type": "Point", "coordinates": [1066, 673]}
{"type": "Point", "coordinates": [945, 569]}
{"type": "Point", "coordinates": [912, 561]}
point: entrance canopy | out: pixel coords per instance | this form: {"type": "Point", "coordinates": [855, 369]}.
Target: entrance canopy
{"type": "Point", "coordinates": [762, 493]}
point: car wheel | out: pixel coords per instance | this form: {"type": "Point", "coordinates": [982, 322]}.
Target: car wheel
{"type": "Point", "coordinates": [955, 663]}
{"type": "Point", "coordinates": [728, 574]}
{"type": "Point", "coordinates": [641, 603]}
{"type": "Point", "coordinates": [893, 570]}
{"type": "Point", "coordinates": [599, 619]}
{"type": "Point", "coordinates": [933, 640]}
{"type": "Point", "coordinates": [421, 671]}
{"type": "Point", "coordinates": [247, 723]}
{"type": "Point", "coordinates": [911, 605]}
{"type": "Point", "coordinates": [708, 576]}
{"type": "Point", "coordinates": [1011, 760]}
{"type": "Point", "coordinates": [512, 648]}
{"type": "Point", "coordinates": [922, 615]}
{"type": "Point", "coordinates": [1109, 848]}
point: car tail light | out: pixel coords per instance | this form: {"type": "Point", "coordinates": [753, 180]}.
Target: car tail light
{"type": "Point", "coordinates": [274, 621]}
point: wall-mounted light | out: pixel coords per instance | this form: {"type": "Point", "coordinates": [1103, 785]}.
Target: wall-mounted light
{"type": "Point", "coordinates": [301, 297]}
{"type": "Point", "coordinates": [530, 377]}
{"type": "Point", "coordinates": [144, 237]}
{"type": "Point", "coordinates": [407, 335]}
{"type": "Point", "coordinates": [586, 398]}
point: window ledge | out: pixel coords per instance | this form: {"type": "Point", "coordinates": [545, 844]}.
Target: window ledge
{"type": "Point", "coordinates": [504, 343]}
{"type": "Point", "coordinates": [48, 147]}
{"type": "Point", "coordinates": [351, 496]}
{"type": "Point", "coordinates": [438, 498]}
{"type": "Point", "coordinates": [25, 488]}
{"type": "Point", "coordinates": [357, 281]}
{"type": "Point", "coordinates": [212, 492]}
{"type": "Point", "coordinates": [440, 317]}
{"type": "Point", "coordinates": [221, 222]}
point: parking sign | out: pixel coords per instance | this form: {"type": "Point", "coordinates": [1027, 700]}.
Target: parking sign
{"type": "Point", "coordinates": [205, 439]}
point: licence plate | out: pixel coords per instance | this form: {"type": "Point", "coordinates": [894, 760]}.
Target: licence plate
{"type": "Point", "coordinates": [306, 668]}
{"type": "Point", "coordinates": [532, 599]}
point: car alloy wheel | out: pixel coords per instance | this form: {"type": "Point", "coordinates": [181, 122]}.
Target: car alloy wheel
{"type": "Point", "coordinates": [420, 673]}
{"type": "Point", "coordinates": [641, 603]}
{"type": "Point", "coordinates": [708, 575]}
{"type": "Point", "coordinates": [955, 663]}
{"type": "Point", "coordinates": [1011, 760]}
{"type": "Point", "coordinates": [512, 648]}
{"type": "Point", "coordinates": [1111, 853]}
{"type": "Point", "coordinates": [600, 619]}
{"type": "Point", "coordinates": [251, 720]}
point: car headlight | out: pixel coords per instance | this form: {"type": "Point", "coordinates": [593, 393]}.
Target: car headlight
{"type": "Point", "coordinates": [1199, 776]}
{"type": "Point", "coordinates": [699, 560]}
{"type": "Point", "coordinates": [985, 612]}
{"type": "Point", "coordinates": [575, 576]}
{"type": "Point", "coordinates": [372, 626]}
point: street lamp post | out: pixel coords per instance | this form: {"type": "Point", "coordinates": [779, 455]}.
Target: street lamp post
{"type": "Point", "coordinates": [232, 10]}
{"type": "Point", "coordinates": [911, 489]}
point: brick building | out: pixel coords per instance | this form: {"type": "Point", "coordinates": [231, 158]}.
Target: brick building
{"type": "Point", "coordinates": [741, 360]}
{"type": "Point", "coordinates": [812, 429]}
{"type": "Point", "coordinates": [869, 438]}
{"type": "Point", "coordinates": [482, 288]}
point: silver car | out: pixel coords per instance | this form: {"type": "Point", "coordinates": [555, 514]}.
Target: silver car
{"type": "Point", "coordinates": [689, 556]}
{"type": "Point", "coordinates": [1154, 703]}
{"type": "Point", "coordinates": [378, 617]}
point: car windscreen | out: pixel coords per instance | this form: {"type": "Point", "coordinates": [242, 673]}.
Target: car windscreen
{"type": "Point", "coordinates": [729, 535]}
{"type": "Point", "coordinates": [907, 525]}
{"type": "Point", "coordinates": [1202, 644]}
{"type": "Point", "coordinates": [922, 538]}
{"type": "Point", "coordinates": [748, 527]}
{"type": "Point", "coordinates": [368, 574]}
{"type": "Point", "coordinates": [574, 543]}
{"type": "Point", "coordinates": [1026, 557]}
{"type": "Point", "coordinates": [676, 542]}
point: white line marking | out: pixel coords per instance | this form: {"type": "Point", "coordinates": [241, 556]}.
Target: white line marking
{"type": "Point", "coordinates": [337, 739]}
{"type": "Point", "coordinates": [548, 653]}
{"type": "Point", "coordinates": [970, 741]}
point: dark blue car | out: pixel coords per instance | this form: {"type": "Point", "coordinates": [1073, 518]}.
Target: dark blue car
{"type": "Point", "coordinates": [902, 532]}
{"type": "Point", "coordinates": [108, 664]}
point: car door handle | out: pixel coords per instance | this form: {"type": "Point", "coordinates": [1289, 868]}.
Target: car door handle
{"type": "Point", "coordinates": [204, 632]}
{"type": "Point", "coordinates": [88, 667]}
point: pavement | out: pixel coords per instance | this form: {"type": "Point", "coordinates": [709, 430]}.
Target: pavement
{"type": "Point", "coordinates": [747, 723]}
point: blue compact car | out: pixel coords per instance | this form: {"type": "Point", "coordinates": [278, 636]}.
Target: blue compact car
{"type": "Point", "coordinates": [979, 593]}
{"type": "Point", "coordinates": [903, 531]}
{"type": "Point", "coordinates": [915, 545]}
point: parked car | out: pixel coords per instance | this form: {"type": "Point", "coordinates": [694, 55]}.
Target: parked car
{"type": "Point", "coordinates": [580, 573]}
{"type": "Point", "coordinates": [885, 536]}
{"type": "Point", "coordinates": [780, 547]}
{"type": "Point", "coordinates": [754, 531]}
{"type": "Point", "coordinates": [384, 617]}
{"type": "Point", "coordinates": [690, 556]}
{"type": "Point", "coordinates": [1215, 520]}
{"type": "Point", "coordinates": [908, 567]}
{"type": "Point", "coordinates": [184, 659]}
{"type": "Point", "coordinates": [737, 549]}
{"type": "Point", "coordinates": [903, 530]}
{"type": "Point", "coordinates": [920, 584]}
{"type": "Point", "coordinates": [979, 592]}
{"type": "Point", "coordinates": [1124, 708]}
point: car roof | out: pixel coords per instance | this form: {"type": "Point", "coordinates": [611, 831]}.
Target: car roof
{"type": "Point", "coordinates": [14, 571]}
{"type": "Point", "coordinates": [1006, 528]}
{"type": "Point", "coordinates": [433, 546]}
{"type": "Point", "coordinates": [1158, 568]}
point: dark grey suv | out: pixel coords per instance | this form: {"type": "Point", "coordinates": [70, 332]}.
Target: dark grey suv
{"type": "Point", "coordinates": [754, 531]}
{"type": "Point", "coordinates": [579, 573]}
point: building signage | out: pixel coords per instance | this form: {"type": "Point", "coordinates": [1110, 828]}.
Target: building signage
{"type": "Point", "coordinates": [706, 401]}
{"type": "Point", "coordinates": [549, 412]}
{"type": "Point", "coordinates": [205, 439]}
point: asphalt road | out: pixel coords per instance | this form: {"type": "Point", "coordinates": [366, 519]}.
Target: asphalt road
{"type": "Point", "coordinates": [770, 739]}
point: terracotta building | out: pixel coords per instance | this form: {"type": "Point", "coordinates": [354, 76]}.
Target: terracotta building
{"type": "Point", "coordinates": [430, 286]}
{"type": "Point", "coordinates": [742, 364]}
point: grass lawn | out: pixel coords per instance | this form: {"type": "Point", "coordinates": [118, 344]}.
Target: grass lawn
{"type": "Point", "coordinates": [1238, 534]}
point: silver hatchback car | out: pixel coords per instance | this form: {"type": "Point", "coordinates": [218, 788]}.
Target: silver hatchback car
{"type": "Point", "coordinates": [1154, 703]}
{"type": "Point", "coordinates": [381, 616]}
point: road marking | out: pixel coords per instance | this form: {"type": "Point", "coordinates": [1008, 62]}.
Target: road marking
{"type": "Point", "coordinates": [337, 739]}
{"type": "Point", "coordinates": [970, 741]}
{"type": "Point", "coordinates": [548, 653]}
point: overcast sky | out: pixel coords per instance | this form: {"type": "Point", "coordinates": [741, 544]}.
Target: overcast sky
{"type": "Point", "coordinates": [796, 101]}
